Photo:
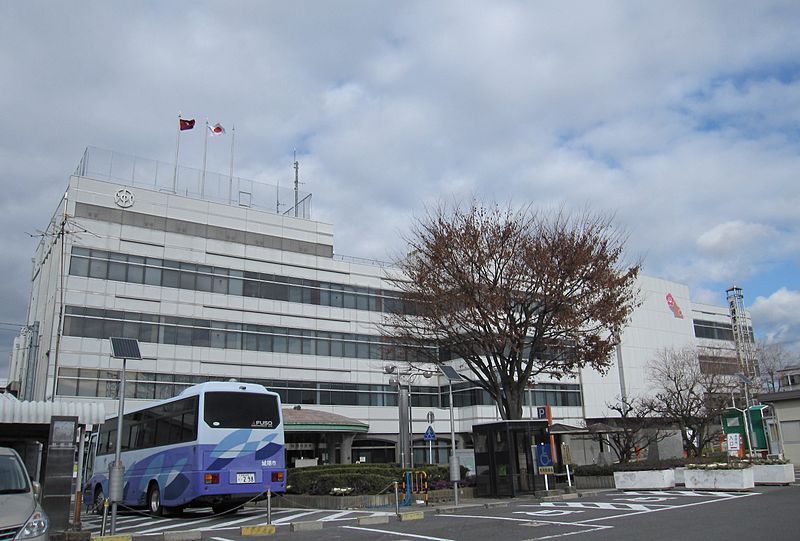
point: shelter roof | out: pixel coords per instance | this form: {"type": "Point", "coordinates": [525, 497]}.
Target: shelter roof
{"type": "Point", "coordinates": [305, 420]}
{"type": "Point", "coordinates": [22, 412]}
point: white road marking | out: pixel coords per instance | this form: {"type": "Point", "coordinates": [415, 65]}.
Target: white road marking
{"type": "Point", "coordinates": [671, 507]}
{"type": "Point", "coordinates": [298, 515]}
{"type": "Point", "coordinates": [220, 539]}
{"type": "Point", "coordinates": [645, 499]}
{"type": "Point", "coordinates": [593, 526]}
{"type": "Point", "coordinates": [222, 525]}
{"type": "Point", "coordinates": [689, 493]}
{"type": "Point", "coordinates": [400, 535]}
{"type": "Point", "coordinates": [176, 525]}
{"type": "Point", "coordinates": [598, 505]}
{"type": "Point", "coordinates": [548, 512]}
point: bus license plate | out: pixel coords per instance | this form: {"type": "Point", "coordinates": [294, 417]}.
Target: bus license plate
{"type": "Point", "coordinates": [245, 477]}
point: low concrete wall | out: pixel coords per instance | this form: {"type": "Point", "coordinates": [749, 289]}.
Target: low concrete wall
{"type": "Point", "coordinates": [680, 476]}
{"type": "Point", "coordinates": [773, 474]}
{"type": "Point", "coordinates": [594, 481]}
{"type": "Point", "coordinates": [644, 480]}
{"type": "Point", "coordinates": [334, 502]}
{"type": "Point", "coordinates": [720, 479]}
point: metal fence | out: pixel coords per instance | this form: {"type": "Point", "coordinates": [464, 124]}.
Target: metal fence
{"type": "Point", "coordinates": [103, 164]}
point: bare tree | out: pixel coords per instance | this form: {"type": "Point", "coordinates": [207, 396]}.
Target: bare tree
{"type": "Point", "coordinates": [514, 294]}
{"type": "Point", "coordinates": [692, 398]}
{"type": "Point", "coordinates": [772, 358]}
{"type": "Point", "coordinates": [636, 427]}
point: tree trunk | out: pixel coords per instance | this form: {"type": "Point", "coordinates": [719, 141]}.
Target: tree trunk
{"type": "Point", "coordinates": [515, 399]}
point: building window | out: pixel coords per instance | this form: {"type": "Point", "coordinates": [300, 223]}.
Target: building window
{"type": "Point", "coordinates": [99, 323]}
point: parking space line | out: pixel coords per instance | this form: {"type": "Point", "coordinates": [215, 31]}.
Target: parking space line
{"type": "Point", "coordinates": [298, 515]}
{"type": "Point", "coordinates": [220, 539]}
{"type": "Point", "coordinates": [402, 535]}
{"type": "Point", "coordinates": [557, 523]}
{"type": "Point", "coordinates": [669, 508]}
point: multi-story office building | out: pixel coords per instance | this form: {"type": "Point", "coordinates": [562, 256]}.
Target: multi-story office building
{"type": "Point", "coordinates": [223, 278]}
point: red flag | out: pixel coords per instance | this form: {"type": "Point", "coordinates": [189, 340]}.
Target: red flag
{"type": "Point", "coordinates": [216, 129]}
{"type": "Point", "coordinates": [186, 124]}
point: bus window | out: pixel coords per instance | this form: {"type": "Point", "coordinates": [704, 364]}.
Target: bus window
{"type": "Point", "coordinates": [241, 410]}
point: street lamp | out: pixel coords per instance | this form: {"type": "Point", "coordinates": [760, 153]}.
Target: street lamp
{"type": "Point", "coordinates": [121, 348]}
{"type": "Point", "coordinates": [403, 378]}
{"type": "Point", "coordinates": [455, 468]}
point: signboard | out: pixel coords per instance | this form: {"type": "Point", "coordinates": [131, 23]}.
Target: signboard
{"type": "Point", "coordinates": [541, 412]}
{"type": "Point", "coordinates": [430, 435]}
{"type": "Point", "coordinates": [734, 442]}
{"type": "Point", "coordinates": [566, 454]}
{"type": "Point", "coordinates": [546, 470]}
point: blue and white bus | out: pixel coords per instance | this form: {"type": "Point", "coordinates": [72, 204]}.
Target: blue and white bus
{"type": "Point", "coordinates": [216, 444]}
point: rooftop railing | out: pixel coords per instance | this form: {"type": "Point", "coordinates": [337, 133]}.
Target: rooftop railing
{"type": "Point", "coordinates": [101, 164]}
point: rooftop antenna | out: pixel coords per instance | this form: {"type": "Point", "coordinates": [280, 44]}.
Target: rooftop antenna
{"type": "Point", "coordinates": [296, 182]}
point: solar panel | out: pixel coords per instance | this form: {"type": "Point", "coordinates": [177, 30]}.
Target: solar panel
{"type": "Point", "coordinates": [450, 373]}
{"type": "Point", "coordinates": [125, 348]}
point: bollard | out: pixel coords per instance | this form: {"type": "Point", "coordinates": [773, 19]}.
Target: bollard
{"type": "Point", "coordinates": [105, 517]}
{"type": "Point", "coordinates": [269, 505]}
{"type": "Point", "coordinates": [396, 500]}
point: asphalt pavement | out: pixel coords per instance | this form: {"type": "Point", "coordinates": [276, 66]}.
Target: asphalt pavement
{"type": "Point", "coordinates": [768, 513]}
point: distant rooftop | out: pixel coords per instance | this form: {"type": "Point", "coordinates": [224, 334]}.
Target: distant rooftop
{"type": "Point", "coordinates": [100, 164]}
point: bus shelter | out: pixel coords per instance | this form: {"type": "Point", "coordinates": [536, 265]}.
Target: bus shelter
{"type": "Point", "coordinates": [505, 457]}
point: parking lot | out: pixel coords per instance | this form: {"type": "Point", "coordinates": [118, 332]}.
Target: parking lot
{"type": "Point", "coordinates": [767, 513]}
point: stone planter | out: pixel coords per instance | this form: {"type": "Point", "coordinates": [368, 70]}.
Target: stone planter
{"type": "Point", "coordinates": [680, 476]}
{"type": "Point", "coordinates": [738, 480]}
{"type": "Point", "coordinates": [773, 474]}
{"type": "Point", "coordinates": [644, 480]}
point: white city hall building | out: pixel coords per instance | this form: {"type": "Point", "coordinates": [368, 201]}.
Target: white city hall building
{"type": "Point", "coordinates": [221, 278]}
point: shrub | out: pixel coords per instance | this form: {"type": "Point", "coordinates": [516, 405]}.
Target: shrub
{"type": "Point", "coordinates": [735, 465]}
{"type": "Point", "coordinates": [362, 478]}
{"type": "Point", "coordinates": [595, 470]}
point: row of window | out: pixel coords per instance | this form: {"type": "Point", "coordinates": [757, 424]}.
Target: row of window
{"type": "Point", "coordinates": [157, 386]}
{"type": "Point", "coordinates": [715, 331]}
{"type": "Point", "coordinates": [194, 229]}
{"type": "Point", "coordinates": [100, 323]}
{"type": "Point", "coordinates": [176, 274]}
{"type": "Point", "coordinates": [166, 424]}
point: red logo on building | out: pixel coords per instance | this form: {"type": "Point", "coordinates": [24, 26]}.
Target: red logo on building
{"type": "Point", "coordinates": [676, 310]}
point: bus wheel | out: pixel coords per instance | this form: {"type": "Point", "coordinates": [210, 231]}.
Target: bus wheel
{"type": "Point", "coordinates": [99, 500]}
{"type": "Point", "coordinates": [154, 500]}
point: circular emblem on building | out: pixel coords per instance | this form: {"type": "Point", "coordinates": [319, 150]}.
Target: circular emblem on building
{"type": "Point", "coordinates": [123, 198]}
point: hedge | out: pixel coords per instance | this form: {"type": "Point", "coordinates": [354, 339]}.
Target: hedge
{"type": "Point", "coordinates": [362, 478]}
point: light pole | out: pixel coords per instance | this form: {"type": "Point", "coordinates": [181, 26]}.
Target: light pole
{"type": "Point", "coordinates": [121, 348]}
{"type": "Point", "coordinates": [455, 468]}
{"type": "Point", "coordinates": [403, 378]}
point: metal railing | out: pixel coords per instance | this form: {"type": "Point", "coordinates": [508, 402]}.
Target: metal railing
{"type": "Point", "coordinates": [193, 183]}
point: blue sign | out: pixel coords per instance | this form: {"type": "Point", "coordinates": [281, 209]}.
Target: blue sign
{"type": "Point", "coordinates": [541, 412]}
{"type": "Point", "coordinates": [430, 435]}
{"type": "Point", "coordinates": [543, 455]}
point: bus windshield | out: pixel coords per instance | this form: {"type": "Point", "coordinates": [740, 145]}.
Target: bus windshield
{"type": "Point", "coordinates": [240, 410]}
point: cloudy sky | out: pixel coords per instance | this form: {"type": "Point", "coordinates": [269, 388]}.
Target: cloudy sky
{"type": "Point", "coordinates": [680, 118]}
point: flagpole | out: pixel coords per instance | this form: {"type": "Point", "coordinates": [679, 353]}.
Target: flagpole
{"type": "Point", "coordinates": [177, 151]}
{"type": "Point", "coordinates": [230, 181]}
{"type": "Point", "coordinates": [205, 151]}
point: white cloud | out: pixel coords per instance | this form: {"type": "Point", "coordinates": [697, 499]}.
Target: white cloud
{"type": "Point", "coordinates": [779, 316]}
{"type": "Point", "coordinates": [679, 118]}
{"type": "Point", "coordinates": [735, 236]}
